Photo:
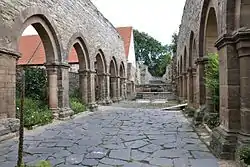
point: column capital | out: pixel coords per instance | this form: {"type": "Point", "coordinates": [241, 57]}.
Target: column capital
{"type": "Point", "coordinates": [64, 65]}
{"type": "Point", "coordinates": [240, 34]}
{"type": "Point", "coordinates": [13, 53]}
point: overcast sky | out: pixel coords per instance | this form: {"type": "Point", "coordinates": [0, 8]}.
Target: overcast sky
{"type": "Point", "coordinates": [158, 18]}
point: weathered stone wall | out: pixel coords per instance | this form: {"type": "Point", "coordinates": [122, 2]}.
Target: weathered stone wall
{"type": "Point", "coordinates": [155, 95]}
{"type": "Point", "coordinates": [67, 18]}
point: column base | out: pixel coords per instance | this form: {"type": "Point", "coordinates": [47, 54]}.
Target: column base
{"type": "Point", "coordinates": [65, 113]}
{"type": "Point", "coordinates": [55, 112]}
{"type": "Point", "coordinates": [9, 128]}
{"type": "Point", "coordinates": [224, 143]}
{"type": "Point", "coordinates": [93, 107]}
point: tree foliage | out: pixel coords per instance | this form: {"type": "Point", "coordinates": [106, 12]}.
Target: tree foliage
{"type": "Point", "coordinates": [152, 53]}
{"type": "Point", "coordinates": [212, 77]}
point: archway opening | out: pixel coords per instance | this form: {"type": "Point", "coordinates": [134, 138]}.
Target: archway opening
{"type": "Point", "coordinates": [100, 78]}
{"type": "Point", "coordinates": [122, 80]}
{"type": "Point", "coordinates": [112, 71]}
{"type": "Point", "coordinates": [36, 76]}
{"type": "Point", "coordinates": [78, 75]}
{"type": "Point", "coordinates": [212, 67]}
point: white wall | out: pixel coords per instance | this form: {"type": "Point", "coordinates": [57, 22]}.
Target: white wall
{"type": "Point", "coordinates": [131, 54]}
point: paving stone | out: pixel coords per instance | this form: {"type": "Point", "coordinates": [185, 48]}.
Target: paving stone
{"type": "Point", "coordinates": [150, 148]}
{"type": "Point", "coordinates": [109, 161]}
{"type": "Point", "coordinates": [74, 159]}
{"type": "Point", "coordinates": [138, 155]}
{"type": "Point", "coordinates": [136, 144]}
{"type": "Point", "coordinates": [161, 162]}
{"type": "Point", "coordinates": [204, 163]}
{"type": "Point", "coordinates": [181, 162]}
{"type": "Point", "coordinates": [171, 153]}
{"type": "Point", "coordinates": [123, 154]}
{"type": "Point", "coordinates": [90, 162]}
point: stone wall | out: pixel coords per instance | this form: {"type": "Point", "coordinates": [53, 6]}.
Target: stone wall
{"type": "Point", "coordinates": [155, 95]}
{"type": "Point", "coordinates": [63, 16]}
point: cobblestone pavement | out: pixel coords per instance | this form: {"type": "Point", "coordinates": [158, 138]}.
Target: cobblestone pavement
{"type": "Point", "coordinates": [115, 136]}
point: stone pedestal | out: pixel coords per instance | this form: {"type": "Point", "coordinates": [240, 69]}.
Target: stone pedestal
{"type": "Point", "coordinates": [65, 111]}
{"type": "Point", "coordinates": [224, 138]}
{"type": "Point", "coordinates": [52, 72]}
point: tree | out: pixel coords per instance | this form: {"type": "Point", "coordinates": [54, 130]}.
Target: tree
{"type": "Point", "coordinates": [152, 53]}
{"type": "Point", "coordinates": [173, 45]}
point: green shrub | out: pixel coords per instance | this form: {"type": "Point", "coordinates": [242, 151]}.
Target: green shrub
{"type": "Point", "coordinates": [212, 120]}
{"type": "Point", "coordinates": [244, 154]}
{"type": "Point", "coordinates": [35, 113]}
{"type": "Point", "coordinates": [212, 78]}
{"type": "Point", "coordinates": [77, 106]}
{"type": "Point", "coordinates": [35, 84]}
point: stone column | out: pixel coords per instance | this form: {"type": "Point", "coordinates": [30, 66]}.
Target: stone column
{"type": "Point", "coordinates": [52, 73]}
{"type": "Point", "coordinates": [107, 90]}
{"type": "Point", "coordinates": [195, 88]}
{"type": "Point", "coordinates": [243, 48]}
{"type": "Point", "coordinates": [118, 85]}
{"type": "Point", "coordinates": [113, 89]}
{"type": "Point", "coordinates": [92, 103]}
{"type": "Point", "coordinates": [83, 79]}
{"type": "Point", "coordinates": [190, 91]}
{"type": "Point", "coordinates": [123, 87]}
{"type": "Point", "coordinates": [224, 138]}
{"type": "Point", "coordinates": [185, 86]}
{"type": "Point", "coordinates": [201, 61]}
{"type": "Point", "coordinates": [181, 87]}
{"type": "Point", "coordinates": [102, 88]}
{"type": "Point", "coordinates": [63, 91]}
{"type": "Point", "coordinates": [8, 83]}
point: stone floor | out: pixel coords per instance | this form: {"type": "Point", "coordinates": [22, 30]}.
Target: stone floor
{"type": "Point", "coordinates": [114, 136]}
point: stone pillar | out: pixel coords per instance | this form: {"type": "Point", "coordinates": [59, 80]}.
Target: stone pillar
{"type": "Point", "coordinates": [83, 79]}
{"type": "Point", "coordinates": [181, 87]}
{"type": "Point", "coordinates": [102, 88]}
{"type": "Point", "coordinates": [185, 86]}
{"type": "Point", "coordinates": [190, 87]}
{"type": "Point", "coordinates": [113, 89]}
{"type": "Point", "coordinates": [63, 91]}
{"type": "Point", "coordinates": [201, 61]}
{"type": "Point", "coordinates": [52, 73]}
{"type": "Point", "coordinates": [123, 87]}
{"type": "Point", "coordinates": [92, 103]}
{"type": "Point", "coordinates": [118, 85]}
{"type": "Point", "coordinates": [224, 138]}
{"type": "Point", "coordinates": [107, 90]}
{"type": "Point", "coordinates": [195, 88]}
{"type": "Point", "coordinates": [243, 48]}
{"type": "Point", "coordinates": [8, 83]}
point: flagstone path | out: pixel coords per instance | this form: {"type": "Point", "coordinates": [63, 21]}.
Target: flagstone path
{"type": "Point", "coordinates": [114, 136]}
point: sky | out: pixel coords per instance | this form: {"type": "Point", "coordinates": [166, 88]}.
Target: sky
{"type": "Point", "coordinates": [159, 18]}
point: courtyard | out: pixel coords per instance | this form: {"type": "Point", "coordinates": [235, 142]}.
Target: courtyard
{"type": "Point", "coordinates": [114, 136]}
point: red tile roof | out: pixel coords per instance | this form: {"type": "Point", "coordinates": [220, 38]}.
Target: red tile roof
{"type": "Point", "coordinates": [125, 33]}
{"type": "Point", "coordinates": [32, 50]}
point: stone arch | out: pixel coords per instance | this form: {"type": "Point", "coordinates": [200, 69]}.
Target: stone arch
{"type": "Point", "coordinates": [52, 48]}
{"type": "Point", "coordinates": [207, 4]}
{"type": "Point", "coordinates": [100, 83]}
{"type": "Point", "coordinates": [113, 79]}
{"type": "Point", "coordinates": [122, 79]}
{"type": "Point", "coordinates": [78, 42]}
{"type": "Point", "coordinates": [78, 45]}
{"type": "Point", "coordinates": [46, 29]}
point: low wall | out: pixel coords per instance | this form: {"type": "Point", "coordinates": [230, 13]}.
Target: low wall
{"type": "Point", "coordinates": [155, 95]}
